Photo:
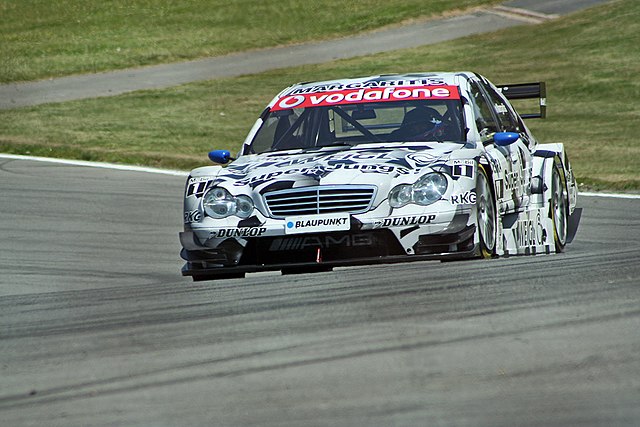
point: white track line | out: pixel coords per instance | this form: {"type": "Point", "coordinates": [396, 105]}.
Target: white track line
{"type": "Point", "coordinates": [95, 164]}
{"type": "Point", "coordinates": [182, 173]}
{"type": "Point", "coordinates": [609, 195]}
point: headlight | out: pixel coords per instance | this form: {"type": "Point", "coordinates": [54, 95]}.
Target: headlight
{"type": "Point", "coordinates": [219, 203]}
{"type": "Point", "coordinates": [400, 196]}
{"type": "Point", "coordinates": [427, 190]}
{"type": "Point", "coordinates": [244, 206]}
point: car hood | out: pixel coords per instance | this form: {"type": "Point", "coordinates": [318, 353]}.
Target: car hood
{"type": "Point", "coordinates": [364, 164]}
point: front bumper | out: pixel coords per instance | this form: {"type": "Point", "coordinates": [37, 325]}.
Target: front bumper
{"type": "Point", "coordinates": [317, 252]}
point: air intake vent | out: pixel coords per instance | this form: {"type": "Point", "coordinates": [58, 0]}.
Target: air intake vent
{"type": "Point", "coordinates": [322, 199]}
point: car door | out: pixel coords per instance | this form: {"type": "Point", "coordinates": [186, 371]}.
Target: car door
{"type": "Point", "coordinates": [511, 164]}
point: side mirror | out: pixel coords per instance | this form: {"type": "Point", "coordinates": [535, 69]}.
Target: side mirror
{"type": "Point", "coordinates": [503, 139]}
{"type": "Point", "coordinates": [220, 156]}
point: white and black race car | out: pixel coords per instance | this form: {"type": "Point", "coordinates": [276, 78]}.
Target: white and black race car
{"type": "Point", "coordinates": [381, 169]}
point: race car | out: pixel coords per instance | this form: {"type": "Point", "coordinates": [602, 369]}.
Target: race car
{"type": "Point", "coordinates": [381, 169]}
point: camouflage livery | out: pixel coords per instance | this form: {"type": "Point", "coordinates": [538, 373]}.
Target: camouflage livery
{"type": "Point", "coordinates": [336, 173]}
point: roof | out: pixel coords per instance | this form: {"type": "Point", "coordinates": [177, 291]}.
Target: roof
{"type": "Point", "coordinates": [383, 80]}
{"type": "Point", "coordinates": [386, 87]}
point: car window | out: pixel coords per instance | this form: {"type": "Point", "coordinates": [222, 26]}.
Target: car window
{"type": "Point", "coordinates": [485, 120]}
{"type": "Point", "coordinates": [508, 123]}
{"type": "Point", "coordinates": [372, 122]}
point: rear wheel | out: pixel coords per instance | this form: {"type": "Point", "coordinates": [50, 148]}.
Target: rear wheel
{"type": "Point", "coordinates": [487, 217]}
{"type": "Point", "coordinates": [559, 206]}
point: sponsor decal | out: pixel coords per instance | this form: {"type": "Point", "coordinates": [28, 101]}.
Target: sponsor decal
{"type": "Point", "coordinates": [196, 186]}
{"type": "Point", "coordinates": [244, 168]}
{"type": "Point", "coordinates": [463, 168]}
{"type": "Point", "coordinates": [495, 165]}
{"type": "Point", "coordinates": [421, 159]}
{"type": "Point", "coordinates": [238, 232]}
{"type": "Point", "coordinates": [268, 176]}
{"type": "Point", "coordinates": [530, 232]}
{"type": "Point", "coordinates": [364, 167]}
{"type": "Point", "coordinates": [500, 189]}
{"type": "Point", "coordinates": [296, 161]}
{"type": "Point", "coordinates": [320, 170]}
{"type": "Point", "coordinates": [368, 84]}
{"type": "Point", "coordinates": [193, 216]}
{"type": "Point", "coordinates": [323, 242]}
{"type": "Point", "coordinates": [512, 180]}
{"type": "Point", "coordinates": [358, 96]}
{"type": "Point", "coordinates": [466, 198]}
{"type": "Point", "coordinates": [317, 223]}
{"type": "Point", "coordinates": [403, 221]}
{"type": "Point", "coordinates": [359, 156]}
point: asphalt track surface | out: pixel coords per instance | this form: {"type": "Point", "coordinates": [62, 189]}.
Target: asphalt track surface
{"type": "Point", "coordinates": [97, 327]}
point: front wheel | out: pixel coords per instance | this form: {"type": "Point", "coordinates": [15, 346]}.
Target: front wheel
{"type": "Point", "coordinates": [559, 206]}
{"type": "Point", "coordinates": [486, 213]}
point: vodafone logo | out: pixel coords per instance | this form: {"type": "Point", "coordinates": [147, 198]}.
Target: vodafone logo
{"type": "Point", "coordinates": [291, 101]}
{"type": "Point", "coordinates": [342, 97]}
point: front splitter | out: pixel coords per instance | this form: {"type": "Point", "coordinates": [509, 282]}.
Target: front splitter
{"type": "Point", "coordinates": [300, 267]}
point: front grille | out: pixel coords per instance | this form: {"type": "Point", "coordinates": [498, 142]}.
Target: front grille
{"type": "Point", "coordinates": [322, 199]}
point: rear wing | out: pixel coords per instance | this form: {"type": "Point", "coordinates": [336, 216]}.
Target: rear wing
{"type": "Point", "coordinates": [528, 91]}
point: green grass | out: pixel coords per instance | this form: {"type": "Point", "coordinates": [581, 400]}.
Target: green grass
{"type": "Point", "coordinates": [52, 38]}
{"type": "Point", "coordinates": [589, 60]}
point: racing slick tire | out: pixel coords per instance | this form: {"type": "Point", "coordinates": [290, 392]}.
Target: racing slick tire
{"type": "Point", "coordinates": [559, 206]}
{"type": "Point", "coordinates": [486, 215]}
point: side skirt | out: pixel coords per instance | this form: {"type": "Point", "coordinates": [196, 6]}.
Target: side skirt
{"type": "Point", "coordinates": [527, 233]}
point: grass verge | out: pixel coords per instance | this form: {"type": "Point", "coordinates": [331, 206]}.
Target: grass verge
{"type": "Point", "coordinates": [591, 72]}
{"type": "Point", "coordinates": [43, 39]}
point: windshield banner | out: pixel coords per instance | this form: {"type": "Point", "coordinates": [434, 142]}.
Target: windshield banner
{"type": "Point", "coordinates": [359, 96]}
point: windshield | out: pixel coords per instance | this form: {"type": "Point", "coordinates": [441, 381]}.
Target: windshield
{"type": "Point", "coordinates": [351, 124]}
